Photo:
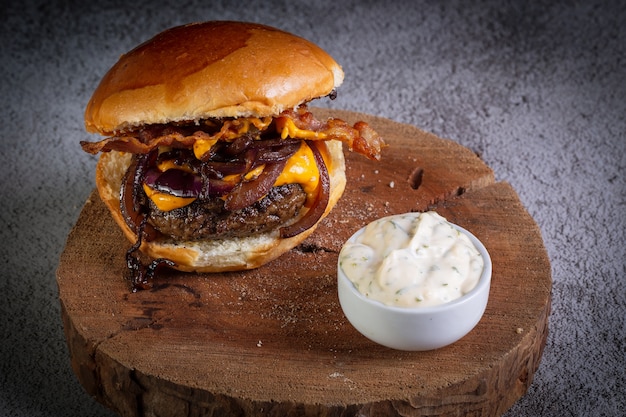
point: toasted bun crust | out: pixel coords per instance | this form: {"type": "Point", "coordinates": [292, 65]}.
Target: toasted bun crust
{"type": "Point", "coordinates": [210, 70]}
{"type": "Point", "coordinates": [215, 255]}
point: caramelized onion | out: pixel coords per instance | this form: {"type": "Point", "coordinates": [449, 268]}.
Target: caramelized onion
{"type": "Point", "coordinates": [274, 156]}
{"type": "Point", "coordinates": [240, 165]}
{"type": "Point", "coordinates": [130, 205]}
{"type": "Point", "coordinates": [321, 201]}
{"type": "Point", "coordinates": [237, 146]}
{"type": "Point", "coordinates": [248, 192]}
{"type": "Point", "coordinates": [281, 152]}
{"type": "Point", "coordinates": [214, 187]}
{"type": "Point", "coordinates": [175, 182]}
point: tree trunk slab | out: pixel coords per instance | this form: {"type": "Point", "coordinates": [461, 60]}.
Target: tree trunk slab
{"type": "Point", "coordinates": [260, 342]}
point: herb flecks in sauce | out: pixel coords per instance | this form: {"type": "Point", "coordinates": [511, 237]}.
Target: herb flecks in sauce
{"type": "Point", "coordinates": [412, 260]}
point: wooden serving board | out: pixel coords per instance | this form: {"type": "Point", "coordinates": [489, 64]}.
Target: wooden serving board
{"type": "Point", "coordinates": [257, 343]}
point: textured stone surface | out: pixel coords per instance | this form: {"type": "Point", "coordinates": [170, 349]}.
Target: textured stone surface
{"type": "Point", "coordinates": [537, 90]}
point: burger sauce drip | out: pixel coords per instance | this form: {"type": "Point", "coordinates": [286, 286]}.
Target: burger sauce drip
{"type": "Point", "coordinates": [142, 276]}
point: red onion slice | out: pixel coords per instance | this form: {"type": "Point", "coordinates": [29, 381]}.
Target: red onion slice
{"type": "Point", "coordinates": [237, 146]}
{"type": "Point", "coordinates": [175, 182]}
{"type": "Point", "coordinates": [277, 153]}
{"type": "Point", "coordinates": [240, 165]}
{"type": "Point", "coordinates": [248, 192]}
{"type": "Point", "coordinates": [216, 188]}
{"type": "Point", "coordinates": [130, 206]}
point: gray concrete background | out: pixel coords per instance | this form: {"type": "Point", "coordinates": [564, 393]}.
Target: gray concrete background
{"type": "Point", "coordinates": [537, 88]}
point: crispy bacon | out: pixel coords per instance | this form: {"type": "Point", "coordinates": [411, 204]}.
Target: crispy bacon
{"type": "Point", "coordinates": [140, 145]}
{"type": "Point", "coordinates": [360, 138]}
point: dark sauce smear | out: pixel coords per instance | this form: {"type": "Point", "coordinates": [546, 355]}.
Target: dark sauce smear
{"type": "Point", "coordinates": [140, 275]}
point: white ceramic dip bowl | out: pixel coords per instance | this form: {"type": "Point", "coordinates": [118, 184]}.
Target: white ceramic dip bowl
{"type": "Point", "coordinates": [415, 328]}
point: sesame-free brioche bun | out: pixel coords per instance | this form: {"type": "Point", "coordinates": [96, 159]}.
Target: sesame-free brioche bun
{"type": "Point", "coordinates": [210, 70]}
{"type": "Point", "coordinates": [220, 255]}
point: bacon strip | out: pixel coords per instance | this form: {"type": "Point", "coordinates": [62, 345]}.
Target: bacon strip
{"type": "Point", "coordinates": [360, 138]}
{"type": "Point", "coordinates": [134, 144]}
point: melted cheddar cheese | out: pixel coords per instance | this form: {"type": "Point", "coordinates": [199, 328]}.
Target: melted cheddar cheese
{"type": "Point", "coordinates": [202, 146]}
{"type": "Point", "coordinates": [166, 202]}
{"type": "Point", "coordinates": [287, 128]}
{"type": "Point", "coordinates": [301, 169]}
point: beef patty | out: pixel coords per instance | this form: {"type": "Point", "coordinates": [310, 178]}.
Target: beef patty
{"type": "Point", "coordinates": [208, 219]}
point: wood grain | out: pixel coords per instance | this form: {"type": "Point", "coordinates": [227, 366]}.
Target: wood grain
{"type": "Point", "coordinates": [260, 343]}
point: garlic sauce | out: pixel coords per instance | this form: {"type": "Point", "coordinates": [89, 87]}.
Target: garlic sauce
{"type": "Point", "coordinates": [412, 260]}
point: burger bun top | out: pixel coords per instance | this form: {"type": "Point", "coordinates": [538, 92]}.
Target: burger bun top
{"type": "Point", "coordinates": [210, 70]}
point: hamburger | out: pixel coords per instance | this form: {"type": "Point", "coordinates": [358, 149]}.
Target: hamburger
{"type": "Point", "coordinates": [211, 160]}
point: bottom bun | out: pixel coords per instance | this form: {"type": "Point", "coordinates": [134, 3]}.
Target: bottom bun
{"type": "Point", "coordinates": [219, 255]}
